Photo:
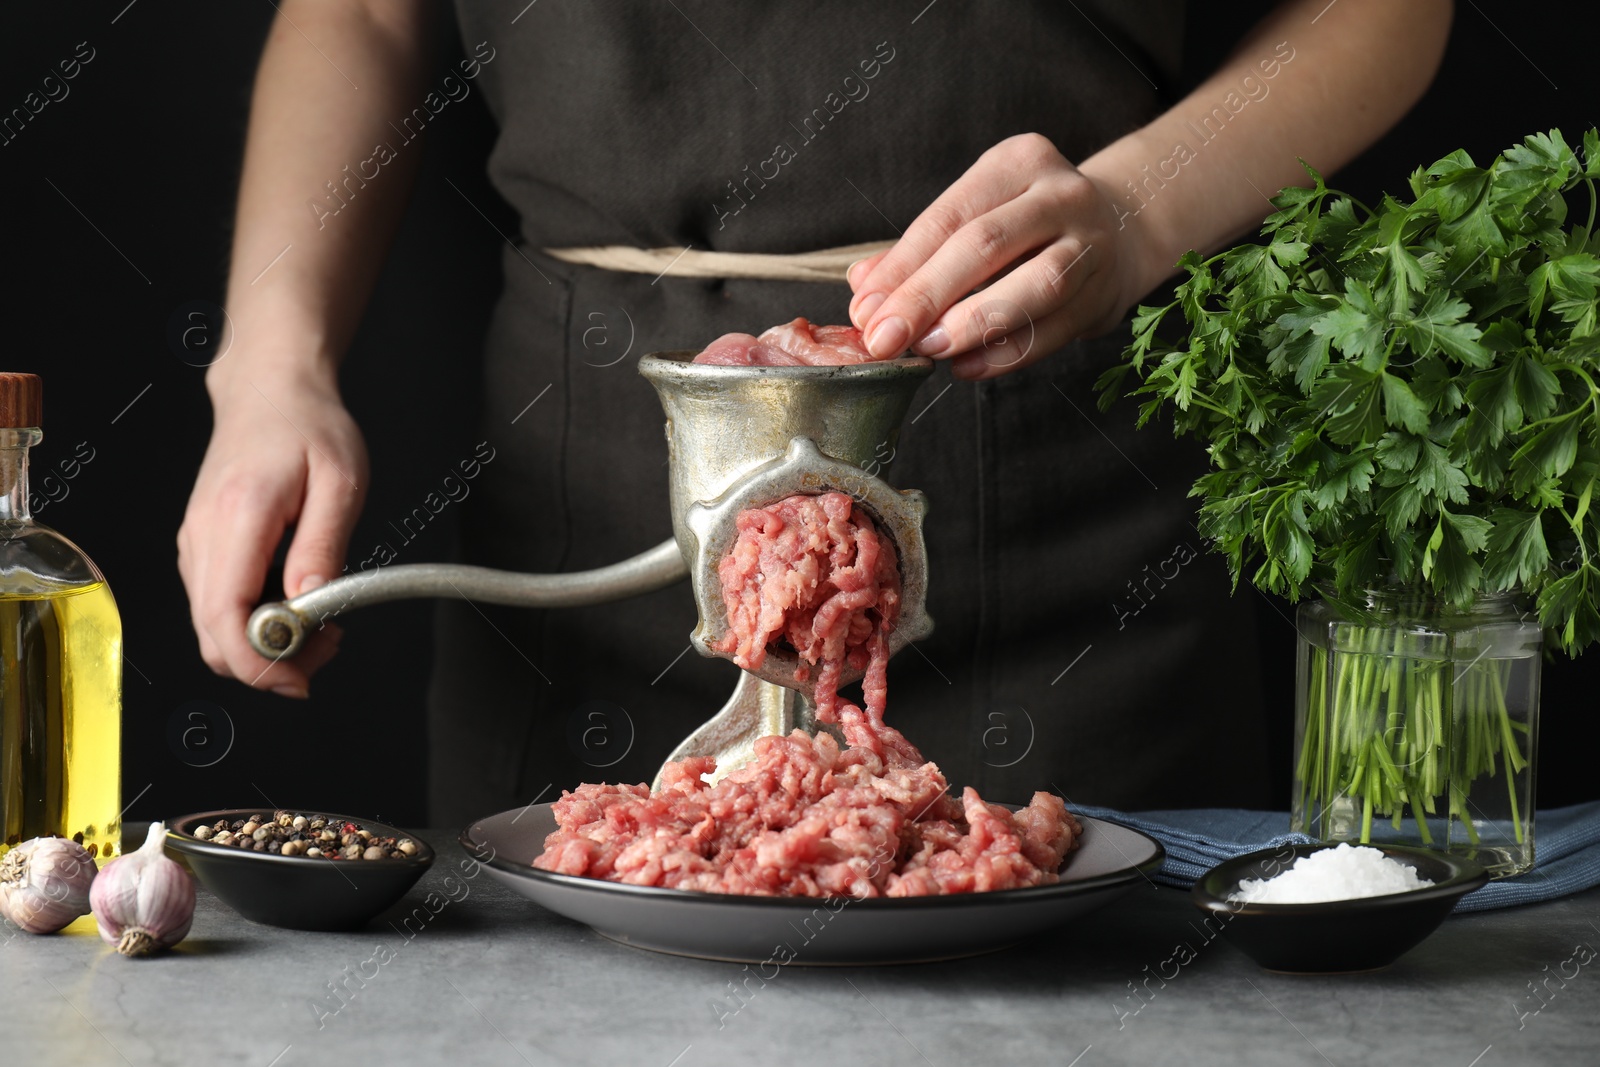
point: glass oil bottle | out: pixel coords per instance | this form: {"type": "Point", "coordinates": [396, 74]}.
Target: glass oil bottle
{"type": "Point", "coordinates": [60, 662]}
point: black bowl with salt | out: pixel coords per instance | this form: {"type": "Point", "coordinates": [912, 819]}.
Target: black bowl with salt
{"type": "Point", "coordinates": [1333, 936]}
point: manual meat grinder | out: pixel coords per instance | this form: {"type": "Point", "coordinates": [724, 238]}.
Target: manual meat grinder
{"type": "Point", "coordinates": [737, 438]}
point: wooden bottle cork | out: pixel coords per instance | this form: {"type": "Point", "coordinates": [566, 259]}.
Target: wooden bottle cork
{"type": "Point", "coordinates": [21, 400]}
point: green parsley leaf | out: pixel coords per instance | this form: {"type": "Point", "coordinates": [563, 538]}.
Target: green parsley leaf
{"type": "Point", "coordinates": [1456, 571]}
{"type": "Point", "coordinates": [1401, 407]}
{"type": "Point", "coordinates": [1352, 399]}
{"type": "Point", "coordinates": [1517, 550]}
{"type": "Point", "coordinates": [1546, 455]}
{"type": "Point", "coordinates": [1355, 326]}
{"type": "Point", "coordinates": [1438, 328]}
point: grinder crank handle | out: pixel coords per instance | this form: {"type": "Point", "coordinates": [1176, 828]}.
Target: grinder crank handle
{"type": "Point", "coordinates": [278, 630]}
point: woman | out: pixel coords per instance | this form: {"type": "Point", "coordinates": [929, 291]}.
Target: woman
{"type": "Point", "coordinates": [1051, 182]}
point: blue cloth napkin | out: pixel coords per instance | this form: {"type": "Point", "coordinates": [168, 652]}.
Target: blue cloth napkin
{"type": "Point", "coordinates": [1566, 848]}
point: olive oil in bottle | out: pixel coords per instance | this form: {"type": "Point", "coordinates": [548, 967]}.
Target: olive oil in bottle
{"type": "Point", "coordinates": [60, 663]}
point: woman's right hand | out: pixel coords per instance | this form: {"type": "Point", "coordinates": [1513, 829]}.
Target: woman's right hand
{"type": "Point", "coordinates": [283, 451]}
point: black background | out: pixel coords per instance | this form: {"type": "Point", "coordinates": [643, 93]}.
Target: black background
{"type": "Point", "coordinates": [118, 206]}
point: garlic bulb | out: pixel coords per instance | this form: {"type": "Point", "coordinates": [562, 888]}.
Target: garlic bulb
{"type": "Point", "coordinates": [143, 901]}
{"type": "Point", "coordinates": [44, 883]}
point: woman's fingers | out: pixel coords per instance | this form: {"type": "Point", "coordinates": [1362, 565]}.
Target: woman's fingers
{"type": "Point", "coordinates": [247, 523]}
{"type": "Point", "coordinates": [1003, 352]}
{"type": "Point", "coordinates": [334, 493]}
{"type": "Point", "coordinates": [1021, 255]}
{"type": "Point", "coordinates": [1036, 289]}
{"type": "Point", "coordinates": [974, 255]}
{"type": "Point", "coordinates": [999, 175]}
{"type": "Point", "coordinates": [861, 269]}
{"type": "Point", "coordinates": [319, 648]}
{"type": "Point", "coordinates": [1047, 203]}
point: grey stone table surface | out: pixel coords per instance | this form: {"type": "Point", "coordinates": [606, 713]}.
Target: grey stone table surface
{"type": "Point", "coordinates": [481, 976]}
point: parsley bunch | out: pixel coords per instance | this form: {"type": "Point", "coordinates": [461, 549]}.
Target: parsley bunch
{"type": "Point", "coordinates": [1404, 394]}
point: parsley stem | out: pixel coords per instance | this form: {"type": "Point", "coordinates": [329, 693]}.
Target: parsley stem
{"type": "Point", "coordinates": [1594, 393]}
{"type": "Point", "coordinates": [1458, 805]}
{"type": "Point", "coordinates": [1551, 420]}
{"type": "Point", "coordinates": [1202, 400]}
{"type": "Point", "coordinates": [1588, 229]}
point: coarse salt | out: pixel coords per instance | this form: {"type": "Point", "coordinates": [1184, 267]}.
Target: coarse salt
{"type": "Point", "coordinates": [1343, 872]}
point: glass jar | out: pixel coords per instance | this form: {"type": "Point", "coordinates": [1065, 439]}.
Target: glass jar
{"type": "Point", "coordinates": [1418, 724]}
{"type": "Point", "coordinates": [60, 663]}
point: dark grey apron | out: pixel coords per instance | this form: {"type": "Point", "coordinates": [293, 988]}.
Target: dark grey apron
{"type": "Point", "coordinates": [1084, 640]}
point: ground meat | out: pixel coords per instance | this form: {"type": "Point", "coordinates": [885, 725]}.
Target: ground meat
{"type": "Point", "coordinates": [814, 573]}
{"type": "Point", "coordinates": [795, 344]}
{"type": "Point", "coordinates": [804, 818]}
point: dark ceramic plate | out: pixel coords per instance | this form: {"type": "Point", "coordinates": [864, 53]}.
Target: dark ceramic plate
{"type": "Point", "coordinates": [299, 892]}
{"type": "Point", "coordinates": [1111, 860]}
{"type": "Point", "coordinates": [1335, 936]}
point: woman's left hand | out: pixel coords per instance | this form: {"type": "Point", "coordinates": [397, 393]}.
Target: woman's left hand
{"type": "Point", "coordinates": [1038, 239]}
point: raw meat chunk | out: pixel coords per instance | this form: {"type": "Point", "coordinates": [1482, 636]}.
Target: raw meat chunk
{"type": "Point", "coordinates": [794, 344]}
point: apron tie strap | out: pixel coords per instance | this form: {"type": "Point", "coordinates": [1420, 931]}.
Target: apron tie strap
{"type": "Point", "coordinates": [822, 265]}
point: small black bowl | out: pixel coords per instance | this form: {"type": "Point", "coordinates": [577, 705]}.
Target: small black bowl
{"type": "Point", "coordinates": [298, 892]}
{"type": "Point", "coordinates": [1335, 936]}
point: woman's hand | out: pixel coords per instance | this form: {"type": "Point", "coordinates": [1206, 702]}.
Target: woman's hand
{"type": "Point", "coordinates": [283, 448]}
{"type": "Point", "coordinates": [1058, 252]}
{"type": "Point", "coordinates": [282, 452]}
{"type": "Point", "coordinates": [1038, 238]}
